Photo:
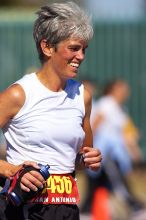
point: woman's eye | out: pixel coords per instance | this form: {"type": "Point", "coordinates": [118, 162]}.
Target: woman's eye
{"type": "Point", "coordinates": [74, 49]}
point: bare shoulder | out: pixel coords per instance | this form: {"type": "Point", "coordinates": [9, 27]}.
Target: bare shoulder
{"type": "Point", "coordinates": [11, 100]}
{"type": "Point", "coordinates": [14, 93]}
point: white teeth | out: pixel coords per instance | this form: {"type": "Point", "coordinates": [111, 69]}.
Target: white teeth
{"type": "Point", "coordinates": [74, 64]}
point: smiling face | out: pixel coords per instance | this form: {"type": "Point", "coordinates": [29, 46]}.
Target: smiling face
{"type": "Point", "coordinates": [67, 57]}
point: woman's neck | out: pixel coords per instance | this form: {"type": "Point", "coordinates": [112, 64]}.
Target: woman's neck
{"type": "Point", "coordinates": [50, 80]}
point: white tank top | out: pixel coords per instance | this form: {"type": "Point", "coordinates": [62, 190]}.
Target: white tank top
{"type": "Point", "coordinates": [48, 128]}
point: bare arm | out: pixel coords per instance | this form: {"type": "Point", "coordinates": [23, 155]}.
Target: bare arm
{"type": "Point", "coordinates": [7, 169]}
{"type": "Point", "coordinates": [92, 156]}
{"type": "Point", "coordinates": [88, 141]}
{"type": "Point", "coordinates": [11, 101]}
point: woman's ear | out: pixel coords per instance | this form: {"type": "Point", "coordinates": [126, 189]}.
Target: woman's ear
{"type": "Point", "coordinates": [46, 48]}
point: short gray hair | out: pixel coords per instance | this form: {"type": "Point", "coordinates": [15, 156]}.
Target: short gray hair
{"type": "Point", "coordinates": [60, 21]}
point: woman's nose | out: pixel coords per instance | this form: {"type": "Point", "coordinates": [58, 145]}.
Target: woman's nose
{"type": "Point", "coordinates": [80, 55]}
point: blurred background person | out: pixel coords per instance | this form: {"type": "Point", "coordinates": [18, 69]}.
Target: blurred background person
{"type": "Point", "coordinates": [117, 137]}
{"type": "Point", "coordinates": [112, 124]}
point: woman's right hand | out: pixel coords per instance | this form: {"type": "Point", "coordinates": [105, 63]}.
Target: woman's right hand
{"type": "Point", "coordinates": [31, 180]}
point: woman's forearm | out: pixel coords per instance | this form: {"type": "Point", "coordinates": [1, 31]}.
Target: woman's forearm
{"type": "Point", "coordinates": [7, 169]}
